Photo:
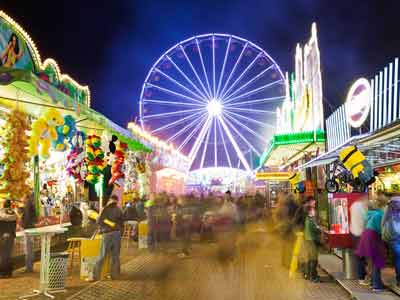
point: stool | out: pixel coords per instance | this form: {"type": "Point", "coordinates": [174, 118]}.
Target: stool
{"type": "Point", "coordinates": [74, 249]}
{"type": "Point", "coordinates": [128, 230]}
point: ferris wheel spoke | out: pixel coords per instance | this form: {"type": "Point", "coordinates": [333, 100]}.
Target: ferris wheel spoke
{"type": "Point", "coordinates": [174, 113]}
{"type": "Point", "coordinates": [255, 78]}
{"type": "Point", "coordinates": [194, 71]}
{"type": "Point", "coordinates": [242, 137]}
{"type": "Point", "coordinates": [190, 135]}
{"type": "Point", "coordinates": [233, 69]}
{"type": "Point", "coordinates": [223, 66]}
{"type": "Point", "coordinates": [252, 110]}
{"type": "Point", "coordinates": [255, 91]}
{"type": "Point", "coordinates": [246, 127]}
{"type": "Point", "coordinates": [215, 143]}
{"type": "Point", "coordinates": [241, 75]}
{"type": "Point", "coordinates": [168, 91]}
{"type": "Point", "coordinates": [223, 142]}
{"type": "Point", "coordinates": [177, 122]}
{"type": "Point", "coordinates": [204, 67]}
{"type": "Point", "coordinates": [203, 156]}
{"type": "Point", "coordinates": [255, 101]}
{"type": "Point", "coordinates": [186, 77]}
{"type": "Point", "coordinates": [180, 85]}
{"type": "Point", "coordinates": [252, 120]}
{"type": "Point", "coordinates": [172, 103]}
{"type": "Point", "coordinates": [234, 144]}
{"type": "Point", "coordinates": [186, 127]}
{"type": "Point", "coordinates": [213, 54]}
{"type": "Point", "coordinates": [199, 139]}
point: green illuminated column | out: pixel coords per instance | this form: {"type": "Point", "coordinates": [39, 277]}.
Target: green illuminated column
{"type": "Point", "coordinates": [36, 184]}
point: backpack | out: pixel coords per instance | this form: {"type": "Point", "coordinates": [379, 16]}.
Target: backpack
{"type": "Point", "coordinates": [391, 229]}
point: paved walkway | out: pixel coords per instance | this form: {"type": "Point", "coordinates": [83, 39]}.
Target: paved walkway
{"type": "Point", "coordinates": [255, 273]}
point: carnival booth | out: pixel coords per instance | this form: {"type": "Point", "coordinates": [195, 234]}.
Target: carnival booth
{"type": "Point", "coordinates": [300, 134]}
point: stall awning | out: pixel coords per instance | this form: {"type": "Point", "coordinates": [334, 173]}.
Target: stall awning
{"type": "Point", "coordinates": [287, 148]}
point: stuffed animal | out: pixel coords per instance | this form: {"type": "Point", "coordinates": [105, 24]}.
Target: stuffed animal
{"type": "Point", "coordinates": [65, 133]}
{"type": "Point", "coordinates": [76, 166]}
{"type": "Point", "coordinates": [117, 169]}
{"type": "Point", "coordinates": [94, 159]}
{"type": "Point", "coordinates": [44, 132]}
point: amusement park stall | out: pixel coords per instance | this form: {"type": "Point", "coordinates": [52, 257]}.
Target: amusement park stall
{"type": "Point", "coordinates": [52, 142]}
{"type": "Point", "coordinates": [300, 134]}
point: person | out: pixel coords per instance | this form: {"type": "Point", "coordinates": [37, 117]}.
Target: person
{"type": "Point", "coordinates": [8, 224]}
{"type": "Point", "coordinates": [12, 52]}
{"type": "Point", "coordinates": [28, 220]}
{"type": "Point", "coordinates": [358, 212]}
{"type": "Point", "coordinates": [391, 232]}
{"type": "Point", "coordinates": [286, 210]}
{"type": "Point", "coordinates": [76, 219]}
{"type": "Point", "coordinates": [140, 211]}
{"type": "Point", "coordinates": [371, 245]}
{"type": "Point", "coordinates": [110, 223]}
{"type": "Point", "coordinates": [185, 219]}
{"type": "Point", "coordinates": [311, 240]}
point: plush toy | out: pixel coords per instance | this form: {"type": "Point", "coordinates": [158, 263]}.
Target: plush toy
{"type": "Point", "coordinates": [65, 133]}
{"type": "Point", "coordinates": [44, 132]}
{"type": "Point", "coordinates": [130, 171]}
{"type": "Point", "coordinates": [94, 159]}
{"type": "Point", "coordinates": [117, 169]}
{"type": "Point", "coordinates": [76, 166]}
{"type": "Point", "coordinates": [13, 181]}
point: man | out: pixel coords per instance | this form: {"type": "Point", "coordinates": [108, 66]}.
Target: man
{"type": "Point", "coordinates": [8, 224]}
{"type": "Point", "coordinates": [110, 224]}
{"type": "Point", "coordinates": [358, 212]}
{"type": "Point", "coordinates": [28, 220]}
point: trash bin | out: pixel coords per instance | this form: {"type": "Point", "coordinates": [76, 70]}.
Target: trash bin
{"type": "Point", "coordinates": [58, 270]}
{"type": "Point", "coordinates": [349, 264]}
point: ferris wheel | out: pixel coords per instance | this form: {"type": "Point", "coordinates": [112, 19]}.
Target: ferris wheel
{"type": "Point", "coordinates": [213, 96]}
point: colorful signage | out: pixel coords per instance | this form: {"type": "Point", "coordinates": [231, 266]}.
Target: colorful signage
{"type": "Point", "coordinates": [276, 176]}
{"type": "Point", "coordinates": [358, 102]}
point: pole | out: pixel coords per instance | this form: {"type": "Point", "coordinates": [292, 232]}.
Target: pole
{"type": "Point", "coordinates": [36, 180]}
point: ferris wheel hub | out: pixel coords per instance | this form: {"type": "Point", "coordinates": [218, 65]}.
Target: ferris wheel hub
{"type": "Point", "coordinates": [214, 107]}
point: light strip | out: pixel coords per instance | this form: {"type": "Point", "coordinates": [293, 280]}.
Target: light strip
{"type": "Point", "coordinates": [213, 55]}
{"type": "Point", "coordinates": [223, 142]}
{"type": "Point", "coordinates": [171, 102]}
{"type": "Point", "coordinates": [199, 139]}
{"type": "Point", "coordinates": [194, 70]}
{"type": "Point", "coordinates": [202, 100]}
{"type": "Point", "coordinates": [390, 87]}
{"type": "Point", "coordinates": [252, 110]}
{"type": "Point", "coordinates": [203, 156]}
{"type": "Point", "coordinates": [380, 99]}
{"type": "Point", "coordinates": [235, 146]}
{"type": "Point", "coordinates": [272, 99]}
{"type": "Point", "coordinates": [372, 107]}
{"type": "Point", "coordinates": [178, 133]}
{"type": "Point", "coordinates": [204, 67]}
{"type": "Point", "coordinates": [223, 66]}
{"type": "Point", "coordinates": [186, 77]}
{"type": "Point", "coordinates": [246, 127]}
{"type": "Point", "coordinates": [215, 142]}
{"type": "Point", "coordinates": [384, 96]}
{"type": "Point", "coordinates": [190, 135]}
{"type": "Point", "coordinates": [250, 120]}
{"type": "Point", "coordinates": [376, 102]}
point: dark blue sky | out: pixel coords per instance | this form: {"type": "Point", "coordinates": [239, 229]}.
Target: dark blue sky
{"type": "Point", "coordinates": [112, 46]}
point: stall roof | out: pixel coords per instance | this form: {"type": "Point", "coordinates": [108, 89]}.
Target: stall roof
{"type": "Point", "coordinates": [286, 148]}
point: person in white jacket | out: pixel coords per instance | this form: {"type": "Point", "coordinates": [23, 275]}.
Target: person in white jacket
{"type": "Point", "coordinates": [358, 212]}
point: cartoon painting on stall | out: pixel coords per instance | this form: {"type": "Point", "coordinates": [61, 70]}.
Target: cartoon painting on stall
{"type": "Point", "coordinates": [14, 52]}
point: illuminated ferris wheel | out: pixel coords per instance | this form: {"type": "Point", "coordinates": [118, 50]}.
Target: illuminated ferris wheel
{"type": "Point", "coordinates": [213, 96]}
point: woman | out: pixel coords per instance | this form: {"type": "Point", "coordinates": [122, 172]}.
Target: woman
{"type": "Point", "coordinates": [12, 52]}
{"type": "Point", "coordinates": [371, 245]}
{"type": "Point", "coordinates": [8, 224]}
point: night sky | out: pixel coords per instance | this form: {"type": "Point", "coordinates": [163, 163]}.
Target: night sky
{"type": "Point", "coordinates": [112, 46]}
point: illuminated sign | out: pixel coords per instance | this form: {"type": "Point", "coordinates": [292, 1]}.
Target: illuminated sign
{"type": "Point", "coordinates": [273, 176]}
{"type": "Point", "coordinates": [358, 102]}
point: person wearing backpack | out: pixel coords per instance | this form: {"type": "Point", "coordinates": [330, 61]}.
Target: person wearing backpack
{"type": "Point", "coordinates": [391, 232]}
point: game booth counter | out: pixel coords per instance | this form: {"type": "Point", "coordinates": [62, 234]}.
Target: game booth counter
{"type": "Point", "coordinates": [363, 144]}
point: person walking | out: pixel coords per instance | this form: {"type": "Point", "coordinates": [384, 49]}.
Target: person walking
{"type": "Point", "coordinates": [110, 223]}
{"type": "Point", "coordinates": [311, 240]}
{"type": "Point", "coordinates": [371, 245]}
{"type": "Point", "coordinates": [391, 232]}
{"type": "Point", "coordinates": [8, 224]}
{"type": "Point", "coordinates": [28, 220]}
{"type": "Point", "coordinates": [358, 212]}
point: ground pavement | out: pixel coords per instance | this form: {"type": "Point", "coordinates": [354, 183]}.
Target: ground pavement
{"type": "Point", "coordinates": [255, 273]}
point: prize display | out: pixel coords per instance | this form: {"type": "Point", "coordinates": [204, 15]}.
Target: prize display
{"type": "Point", "coordinates": [94, 159]}
{"type": "Point", "coordinates": [76, 166]}
{"type": "Point", "coordinates": [130, 171]}
{"type": "Point", "coordinates": [44, 132]}
{"type": "Point", "coordinates": [13, 180]}
{"type": "Point", "coordinates": [65, 134]}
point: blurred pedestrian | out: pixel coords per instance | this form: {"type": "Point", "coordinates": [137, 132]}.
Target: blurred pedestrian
{"type": "Point", "coordinates": [28, 220]}
{"type": "Point", "coordinates": [110, 223]}
{"type": "Point", "coordinates": [371, 245]}
{"type": "Point", "coordinates": [8, 224]}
